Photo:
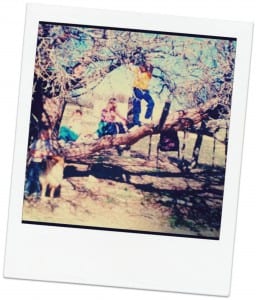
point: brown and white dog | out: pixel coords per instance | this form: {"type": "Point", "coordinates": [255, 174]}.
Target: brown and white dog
{"type": "Point", "coordinates": [52, 175]}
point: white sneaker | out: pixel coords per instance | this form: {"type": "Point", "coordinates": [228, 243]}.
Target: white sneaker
{"type": "Point", "coordinates": [134, 128]}
{"type": "Point", "coordinates": [62, 143]}
{"type": "Point", "coordinates": [147, 123]}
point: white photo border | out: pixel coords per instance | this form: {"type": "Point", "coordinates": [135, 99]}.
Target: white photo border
{"type": "Point", "coordinates": [98, 257]}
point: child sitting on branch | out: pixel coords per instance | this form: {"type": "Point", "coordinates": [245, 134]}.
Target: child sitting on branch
{"type": "Point", "coordinates": [108, 124]}
{"type": "Point", "coordinates": [72, 130]}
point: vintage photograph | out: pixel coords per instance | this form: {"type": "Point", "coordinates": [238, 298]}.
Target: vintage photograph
{"type": "Point", "coordinates": [129, 130]}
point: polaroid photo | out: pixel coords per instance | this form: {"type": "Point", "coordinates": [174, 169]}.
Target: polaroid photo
{"type": "Point", "coordinates": [128, 150]}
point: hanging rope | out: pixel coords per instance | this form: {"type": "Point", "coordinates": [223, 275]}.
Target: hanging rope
{"type": "Point", "coordinates": [149, 145]}
{"type": "Point", "coordinates": [214, 145]}
{"type": "Point", "coordinates": [183, 147]}
{"type": "Point", "coordinates": [197, 146]}
{"type": "Point", "coordinates": [160, 125]}
{"type": "Point", "coordinates": [226, 142]}
{"type": "Point", "coordinates": [213, 150]}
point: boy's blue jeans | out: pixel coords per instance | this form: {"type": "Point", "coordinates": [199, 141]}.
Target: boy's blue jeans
{"type": "Point", "coordinates": [138, 96]}
{"type": "Point", "coordinates": [32, 184]}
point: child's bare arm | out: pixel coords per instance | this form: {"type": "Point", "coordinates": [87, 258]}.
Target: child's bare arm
{"type": "Point", "coordinates": [120, 116]}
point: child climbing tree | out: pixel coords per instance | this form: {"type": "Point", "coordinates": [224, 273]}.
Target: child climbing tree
{"type": "Point", "coordinates": [196, 72]}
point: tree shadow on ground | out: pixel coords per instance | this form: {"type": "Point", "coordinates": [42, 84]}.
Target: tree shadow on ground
{"type": "Point", "coordinates": [196, 207]}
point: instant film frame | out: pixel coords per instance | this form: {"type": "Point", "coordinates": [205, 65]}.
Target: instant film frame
{"type": "Point", "coordinates": [163, 177]}
{"type": "Point", "coordinates": [115, 256]}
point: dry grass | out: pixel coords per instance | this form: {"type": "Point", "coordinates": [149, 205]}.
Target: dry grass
{"type": "Point", "coordinates": [129, 192]}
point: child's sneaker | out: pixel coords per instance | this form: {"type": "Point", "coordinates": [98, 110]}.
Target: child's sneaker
{"type": "Point", "coordinates": [27, 196]}
{"type": "Point", "coordinates": [36, 197]}
{"type": "Point", "coordinates": [132, 129]}
{"type": "Point", "coordinates": [62, 143]}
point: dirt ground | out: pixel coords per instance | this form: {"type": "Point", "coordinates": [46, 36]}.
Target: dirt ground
{"type": "Point", "coordinates": [131, 192]}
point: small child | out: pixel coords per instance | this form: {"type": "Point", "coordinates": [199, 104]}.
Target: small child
{"type": "Point", "coordinates": [142, 77]}
{"type": "Point", "coordinates": [72, 130]}
{"type": "Point", "coordinates": [108, 124]}
{"type": "Point", "coordinates": [40, 149]}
